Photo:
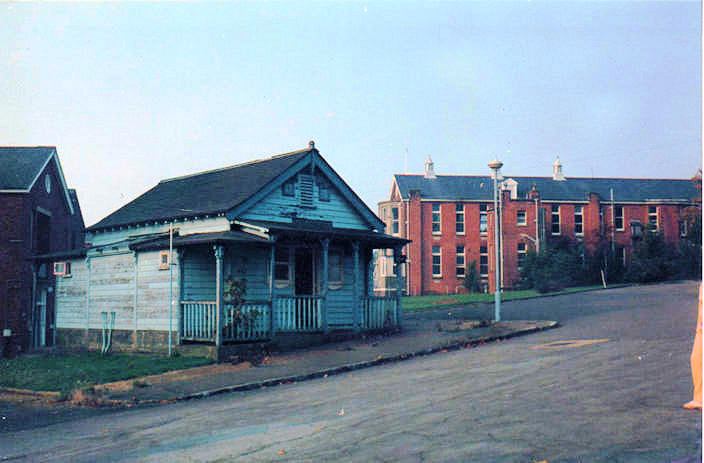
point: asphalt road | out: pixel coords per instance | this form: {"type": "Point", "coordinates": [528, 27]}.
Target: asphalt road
{"type": "Point", "coordinates": [611, 401]}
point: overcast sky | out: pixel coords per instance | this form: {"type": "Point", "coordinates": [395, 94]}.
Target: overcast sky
{"type": "Point", "coordinates": [133, 93]}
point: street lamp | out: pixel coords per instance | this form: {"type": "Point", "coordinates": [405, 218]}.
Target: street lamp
{"type": "Point", "coordinates": [495, 167]}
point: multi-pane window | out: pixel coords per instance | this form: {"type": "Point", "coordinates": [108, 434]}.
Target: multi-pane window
{"type": "Point", "coordinates": [460, 262]}
{"type": "Point", "coordinates": [483, 261]}
{"type": "Point", "coordinates": [618, 218]}
{"type": "Point", "coordinates": [578, 220]}
{"type": "Point", "coordinates": [683, 228]}
{"type": "Point", "coordinates": [521, 218]}
{"type": "Point", "coordinates": [483, 224]}
{"type": "Point", "coordinates": [459, 219]}
{"type": "Point", "coordinates": [555, 220]}
{"type": "Point", "coordinates": [436, 219]}
{"type": "Point", "coordinates": [521, 255]}
{"type": "Point", "coordinates": [653, 217]}
{"type": "Point", "coordinates": [282, 268]}
{"type": "Point", "coordinates": [394, 220]}
{"type": "Point", "coordinates": [437, 261]}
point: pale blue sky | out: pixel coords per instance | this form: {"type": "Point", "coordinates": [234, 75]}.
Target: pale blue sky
{"type": "Point", "coordinates": [133, 93]}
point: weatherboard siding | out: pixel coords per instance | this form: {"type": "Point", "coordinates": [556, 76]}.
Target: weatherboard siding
{"type": "Point", "coordinates": [279, 208]}
{"type": "Point", "coordinates": [71, 297]}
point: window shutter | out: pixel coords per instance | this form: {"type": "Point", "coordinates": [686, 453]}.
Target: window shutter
{"type": "Point", "coordinates": [306, 185]}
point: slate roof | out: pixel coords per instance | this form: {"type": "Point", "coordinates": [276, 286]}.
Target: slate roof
{"type": "Point", "coordinates": [20, 165]}
{"type": "Point", "coordinates": [479, 188]}
{"type": "Point", "coordinates": [208, 192]}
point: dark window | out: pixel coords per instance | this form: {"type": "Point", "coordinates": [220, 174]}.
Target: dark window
{"type": "Point", "coordinates": [483, 261]}
{"type": "Point", "coordinates": [437, 261]}
{"type": "Point", "coordinates": [555, 220]}
{"type": "Point", "coordinates": [42, 244]}
{"type": "Point", "coordinates": [323, 191]}
{"type": "Point", "coordinates": [436, 219]}
{"type": "Point", "coordinates": [521, 218]}
{"type": "Point", "coordinates": [282, 266]}
{"type": "Point", "coordinates": [521, 255]}
{"type": "Point", "coordinates": [394, 220]}
{"type": "Point", "coordinates": [459, 262]}
{"type": "Point", "coordinates": [459, 219]}
{"type": "Point", "coordinates": [578, 220]}
{"type": "Point", "coordinates": [618, 217]}
{"type": "Point", "coordinates": [289, 188]}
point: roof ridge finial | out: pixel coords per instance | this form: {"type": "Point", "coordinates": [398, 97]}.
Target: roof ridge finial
{"type": "Point", "coordinates": [311, 145]}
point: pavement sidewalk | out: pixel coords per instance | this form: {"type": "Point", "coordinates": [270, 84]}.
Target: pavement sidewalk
{"type": "Point", "coordinates": [419, 337]}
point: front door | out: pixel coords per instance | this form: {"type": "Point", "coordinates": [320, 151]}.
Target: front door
{"type": "Point", "coordinates": [304, 272]}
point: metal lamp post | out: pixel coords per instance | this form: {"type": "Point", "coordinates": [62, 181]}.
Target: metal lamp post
{"type": "Point", "coordinates": [495, 167]}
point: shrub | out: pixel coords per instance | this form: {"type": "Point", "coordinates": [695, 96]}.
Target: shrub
{"type": "Point", "coordinates": [471, 280]}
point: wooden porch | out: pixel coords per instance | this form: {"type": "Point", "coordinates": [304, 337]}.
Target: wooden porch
{"type": "Point", "coordinates": [253, 321]}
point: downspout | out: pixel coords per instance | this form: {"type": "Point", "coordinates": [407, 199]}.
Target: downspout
{"type": "Point", "coordinates": [34, 305]}
{"type": "Point", "coordinates": [537, 227]}
{"type": "Point", "coordinates": [135, 299]}
{"type": "Point", "coordinates": [613, 223]}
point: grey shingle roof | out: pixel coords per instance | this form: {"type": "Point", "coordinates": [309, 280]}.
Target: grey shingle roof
{"type": "Point", "coordinates": [478, 188]}
{"type": "Point", "coordinates": [19, 165]}
{"type": "Point", "coordinates": [204, 193]}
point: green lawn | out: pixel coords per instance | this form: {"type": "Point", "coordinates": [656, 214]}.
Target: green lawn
{"type": "Point", "coordinates": [65, 372]}
{"type": "Point", "coordinates": [415, 303]}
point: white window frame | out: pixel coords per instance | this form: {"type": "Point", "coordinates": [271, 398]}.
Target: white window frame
{"type": "Point", "coordinates": [433, 222]}
{"type": "Point", "coordinates": [432, 261]}
{"type": "Point", "coordinates": [521, 250]}
{"type": "Point", "coordinates": [519, 222]}
{"type": "Point", "coordinates": [459, 212]}
{"type": "Point", "coordinates": [463, 265]}
{"type": "Point", "coordinates": [580, 208]}
{"type": "Point", "coordinates": [484, 212]}
{"type": "Point", "coordinates": [554, 214]}
{"type": "Point", "coordinates": [618, 216]}
{"type": "Point", "coordinates": [654, 214]}
{"type": "Point", "coordinates": [486, 255]}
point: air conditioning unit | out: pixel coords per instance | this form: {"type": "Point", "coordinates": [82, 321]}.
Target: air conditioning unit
{"type": "Point", "coordinates": [62, 269]}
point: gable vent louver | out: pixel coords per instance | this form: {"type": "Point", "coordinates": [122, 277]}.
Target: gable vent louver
{"type": "Point", "coordinates": [306, 185]}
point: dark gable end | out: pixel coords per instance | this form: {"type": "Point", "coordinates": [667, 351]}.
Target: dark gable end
{"type": "Point", "coordinates": [479, 188]}
{"type": "Point", "coordinates": [210, 192]}
{"type": "Point", "coordinates": [20, 165]}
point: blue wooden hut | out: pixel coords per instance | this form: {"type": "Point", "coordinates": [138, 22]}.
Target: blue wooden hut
{"type": "Point", "coordinates": [164, 269]}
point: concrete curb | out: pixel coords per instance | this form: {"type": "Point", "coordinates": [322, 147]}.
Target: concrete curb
{"type": "Point", "coordinates": [455, 345]}
{"type": "Point", "coordinates": [50, 395]}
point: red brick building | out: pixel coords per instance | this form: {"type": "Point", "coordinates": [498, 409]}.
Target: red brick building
{"type": "Point", "coordinates": [39, 215]}
{"type": "Point", "coordinates": [450, 221]}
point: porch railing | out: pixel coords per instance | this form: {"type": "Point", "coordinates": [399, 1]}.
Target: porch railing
{"type": "Point", "coordinates": [198, 320]}
{"type": "Point", "coordinates": [379, 312]}
{"type": "Point", "coordinates": [298, 313]}
{"type": "Point", "coordinates": [248, 322]}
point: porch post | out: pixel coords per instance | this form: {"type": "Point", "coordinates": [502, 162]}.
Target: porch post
{"type": "Point", "coordinates": [355, 285]}
{"type": "Point", "coordinates": [397, 262]}
{"type": "Point", "coordinates": [325, 243]}
{"type": "Point", "coordinates": [370, 274]}
{"type": "Point", "coordinates": [272, 286]}
{"type": "Point", "coordinates": [219, 253]}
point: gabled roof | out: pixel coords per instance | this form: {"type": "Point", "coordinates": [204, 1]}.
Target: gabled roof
{"type": "Point", "coordinates": [210, 192]}
{"type": "Point", "coordinates": [479, 188]}
{"type": "Point", "coordinates": [227, 190]}
{"type": "Point", "coordinates": [21, 166]}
